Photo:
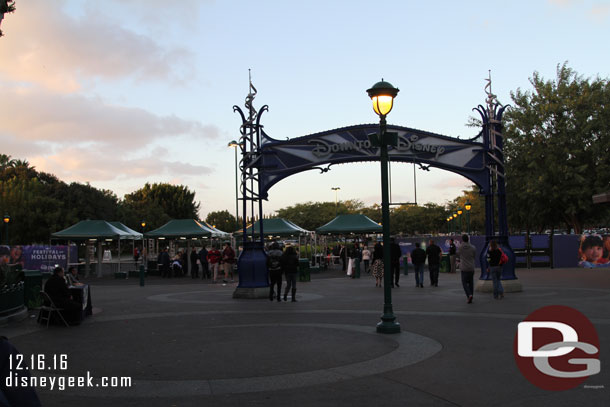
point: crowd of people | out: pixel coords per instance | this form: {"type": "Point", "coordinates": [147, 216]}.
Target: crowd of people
{"type": "Point", "coordinates": [463, 254]}
{"type": "Point", "coordinates": [210, 261]}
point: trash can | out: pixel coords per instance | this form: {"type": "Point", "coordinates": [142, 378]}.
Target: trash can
{"type": "Point", "coordinates": [32, 285]}
{"type": "Point", "coordinates": [304, 274]}
{"type": "Point", "coordinates": [445, 266]}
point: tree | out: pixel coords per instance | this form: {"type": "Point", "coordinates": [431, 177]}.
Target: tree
{"type": "Point", "coordinates": [222, 220]}
{"type": "Point", "coordinates": [6, 6]}
{"type": "Point", "coordinates": [6, 162]}
{"type": "Point", "coordinates": [174, 201]}
{"type": "Point", "coordinates": [557, 143]}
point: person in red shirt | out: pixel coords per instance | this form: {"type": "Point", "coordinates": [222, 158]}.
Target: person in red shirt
{"type": "Point", "coordinates": [214, 261]}
{"type": "Point", "coordinates": [228, 258]}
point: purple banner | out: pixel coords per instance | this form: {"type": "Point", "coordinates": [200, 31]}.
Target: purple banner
{"type": "Point", "coordinates": [43, 258]}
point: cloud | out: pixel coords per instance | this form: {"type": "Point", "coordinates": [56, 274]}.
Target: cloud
{"type": "Point", "coordinates": [452, 181]}
{"type": "Point", "coordinates": [49, 47]}
{"type": "Point", "coordinates": [599, 12]}
{"type": "Point", "coordinates": [38, 116]}
{"type": "Point", "coordinates": [79, 165]}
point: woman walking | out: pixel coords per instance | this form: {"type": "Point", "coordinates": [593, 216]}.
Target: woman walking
{"type": "Point", "coordinates": [495, 269]}
{"type": "Point", "coordinates": [366, 258]}
{"type": "Point", "coordinates": [290, 266]}
{"type": "Point", "coordinates": [377, 264]}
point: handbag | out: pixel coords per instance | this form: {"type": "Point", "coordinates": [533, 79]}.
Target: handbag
{"type": "Point", "coordinates": [503, 257]}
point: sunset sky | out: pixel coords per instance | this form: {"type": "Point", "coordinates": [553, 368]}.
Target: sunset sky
{"type": "Point", "coordinates": [119, 93]}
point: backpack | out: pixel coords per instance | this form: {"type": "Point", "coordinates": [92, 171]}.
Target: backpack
{"type": "Point", "coordinates": [503, 258]}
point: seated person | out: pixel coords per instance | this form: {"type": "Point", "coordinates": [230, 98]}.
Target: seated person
{"type": "Point", "coordinates": [59, 293]}
{"type": "Point", "coordinates": [177, 268]}
{"type": "Point", "coordinates": [72, 277]}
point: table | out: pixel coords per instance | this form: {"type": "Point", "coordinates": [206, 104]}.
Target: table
{"type": "Point", "coordinates": [82, 295]}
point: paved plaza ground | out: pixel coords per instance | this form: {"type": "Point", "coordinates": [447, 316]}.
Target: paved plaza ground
{"type": "Point", "coordinates": [188, 343]}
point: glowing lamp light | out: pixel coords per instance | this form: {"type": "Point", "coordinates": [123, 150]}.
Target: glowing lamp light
{"type": "Point", "coordinates": [382, 95]}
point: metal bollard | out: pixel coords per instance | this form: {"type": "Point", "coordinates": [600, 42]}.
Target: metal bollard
{"type": "Point", "coordinates": [142, 273]}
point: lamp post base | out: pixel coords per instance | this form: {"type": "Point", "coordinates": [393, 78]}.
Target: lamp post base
{"type": "Point", "coordinates": [388, 325]}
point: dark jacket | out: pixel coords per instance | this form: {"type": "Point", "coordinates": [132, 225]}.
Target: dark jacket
{"type": "Point", "coordinates": [194, 257]}
{"type": "Point", "coordinates": [165, 259]}
{"type": "Point", "coordinates": [274, 256]}
{"type": "Point", "coordinates": [290, 261]}
{"type": "Point", "coordinates": [493, 257]}
{"type": "Point", "coordinates": [434, 253]}
{"type": "Point", "coordinates": [58, 290]}
{"type": "Point", "coordinates": [378, 252]}
{"type": "Point", "coordinates": [395, 253]}
{"type": "Point", "coordinates": [418, 256]}
{"type": "Point", "coordinates": [203, 255]}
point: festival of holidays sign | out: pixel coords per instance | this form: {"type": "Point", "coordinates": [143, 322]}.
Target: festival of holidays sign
{"type": "Point", "coordinates": [45, 258]}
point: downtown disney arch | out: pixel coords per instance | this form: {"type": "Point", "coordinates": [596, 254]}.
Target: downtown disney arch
{"type": "Point", "coordinates": [266, 161]}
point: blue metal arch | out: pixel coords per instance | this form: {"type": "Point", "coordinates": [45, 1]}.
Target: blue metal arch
{"type": "Point", "coordinates": [279, 159]}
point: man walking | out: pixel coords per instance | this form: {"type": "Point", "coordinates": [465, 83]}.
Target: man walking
{"type": "Point", "coordinates": [418, 258]}
{"type": "Point", "coordinates": [395, 254]}
{"type": "Point", "coordinates": [434, 254]}
{"type": "Point", "coordinates": [194, 264]}
{"type": "Point", "coordinates": [467, 253]}
{"type": "Point", "coordinates": [203, 259]}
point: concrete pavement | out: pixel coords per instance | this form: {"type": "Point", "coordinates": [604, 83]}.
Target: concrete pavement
{"type": "Point", "coordinates": [186, 342]}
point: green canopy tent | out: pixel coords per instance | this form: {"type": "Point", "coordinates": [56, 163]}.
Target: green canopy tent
{"type": "Point", "coordinates": [275, 227]}
{"type": "Point", "coordinates": [186, 229]}
{"type": "Point", "coordinates": [90, 230]}
{"type": "Point", "coordinates": [119, 225]}
{"type": "Point", "coordinates": [350, 223]}
{"type": "Point", "coordinates": [136, 236]}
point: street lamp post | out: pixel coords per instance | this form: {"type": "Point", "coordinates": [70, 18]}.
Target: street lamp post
{"type": "Point", "coordinates": [336, 202]}
{"type": "Point", "coordinates": [468, 207]}
{"type": "Point", "coordinates": [6, 220]}
{"type": "Point", "coordinates": [382, 94]}
{"type": "Point", "coordinates": [143, 225]}
{"type": "Point", "coordinates": [235, 144]}
{"type": "Point", "coordinates": [454, 217]}
{"type": "Point", "coordinates": [459, 212]}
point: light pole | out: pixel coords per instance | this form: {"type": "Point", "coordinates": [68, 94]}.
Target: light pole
{"type": "Point", "coordinates": [459, 212]}
{"type": "Point", "coordinates": [143, 225]}
{"type": "Point", "coordinates": [6, 220]}
{"type": "Point", "coordinates": [448, 226]}
{"type": "Point", "coordinates": [382, 94]}
{"type": "Point", "coordinates": [454, 217]}
{"type": "Point", "coordinates": [235, 144]}
{"type": "Point", "coordinates": [468, 207]}
{"type": "Point", "coordinates": [336, 202]}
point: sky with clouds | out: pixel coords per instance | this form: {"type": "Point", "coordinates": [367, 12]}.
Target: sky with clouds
{"type": "Point", "coordinates": [120, 93]}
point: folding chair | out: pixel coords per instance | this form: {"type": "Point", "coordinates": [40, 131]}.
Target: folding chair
{"type": "Point", "coordinates": [49, 309]}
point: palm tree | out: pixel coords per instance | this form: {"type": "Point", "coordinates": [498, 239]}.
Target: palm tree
{"type": "Point", "coordinates": [6, 162]}
{"type": "Point", "coordinates": [22, 164]}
